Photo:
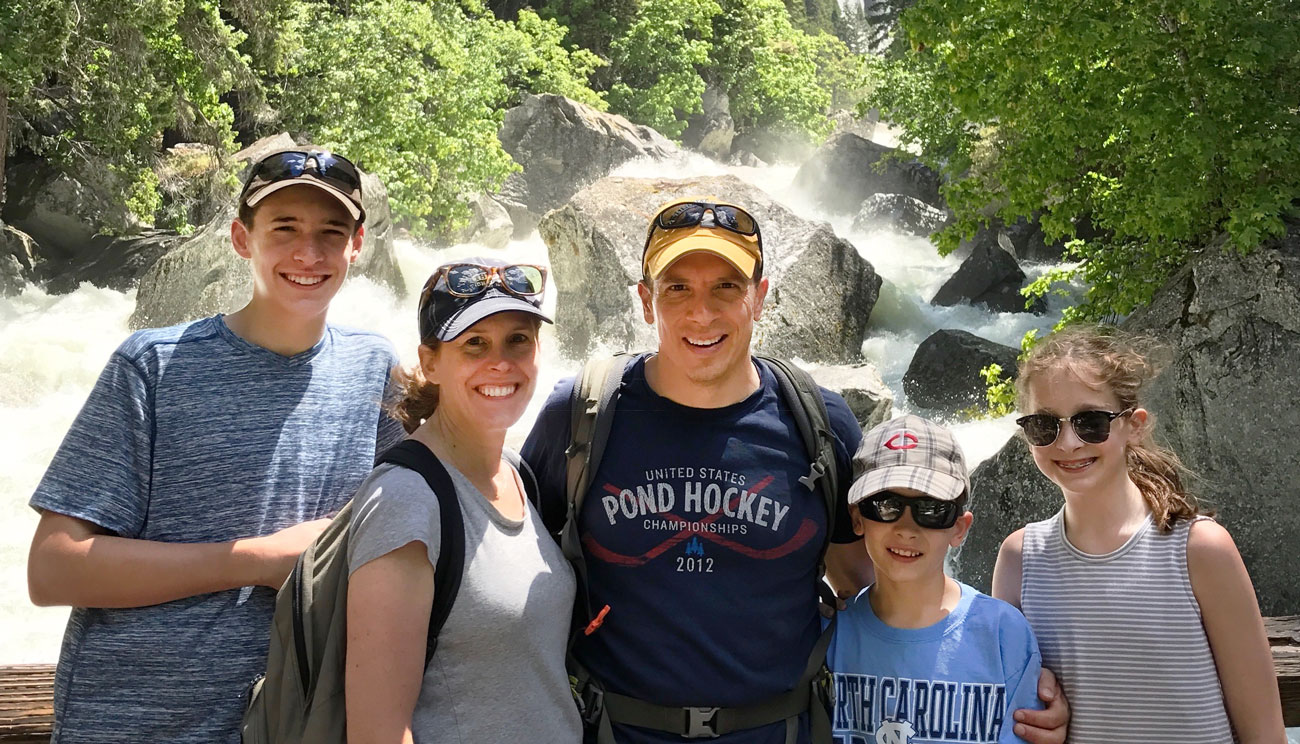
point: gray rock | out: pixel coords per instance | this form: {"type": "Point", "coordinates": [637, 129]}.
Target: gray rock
{"type": "Point", "coordinates": [712, 130]}
{"type": "Point", "coordinates": [1225, 404]}
{"type": "Point", "coordinates": [203, 275]}
{"type": "Point", "coordinates": [843, 173]}
{"type": "Point", "coordinates": [989, 276]}
{"type": "Point", "coordinates": [114, 262]}
{"type": "Point", "coordinates": [821, 292]}
{"type": "Point", "coordinates": [862, 388]}
{"type": "Point", "coordinates": [489, 224]}
{"type": "Point", "coordinates": [562, 146]}
{"type": "Point", "coordinates": [945, 371]}
{"type": "Point", "coordinates": [1027, 242]}
{"type": "Point", "coordinates": [20, 260]}
{"type": "Point", "coordinates": [900, 213]}
{"type": "Point", "coordinates": [745, 158]}
{"type": "Point", "coordinates": [61, 213]}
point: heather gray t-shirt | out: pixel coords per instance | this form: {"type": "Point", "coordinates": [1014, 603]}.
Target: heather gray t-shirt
{"type": "Point", "coordinates": [193, 434]}
{"type": "Point", "coordinates": [498, 674]}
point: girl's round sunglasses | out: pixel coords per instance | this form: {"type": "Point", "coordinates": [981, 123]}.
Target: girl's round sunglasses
{"type": "Point", "coordinates": [1093, 427]}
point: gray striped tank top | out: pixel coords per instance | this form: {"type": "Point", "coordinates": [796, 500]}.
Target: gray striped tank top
{"type": "Point", "coordinates": [1123, 634]}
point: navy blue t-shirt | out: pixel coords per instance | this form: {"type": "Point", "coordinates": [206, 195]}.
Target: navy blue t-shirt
{"type": "Point", "coordinates": [702, 542]}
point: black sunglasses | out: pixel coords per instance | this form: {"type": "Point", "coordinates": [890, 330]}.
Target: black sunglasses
{"type": "Point", "coordinates": [1093, 427]}
{"type": "Point", "coordinates": [329, 167]}
{"type": "Point", "coordinates": [690, 214]}
{"type": "Point", "coordinates": [927, 511]}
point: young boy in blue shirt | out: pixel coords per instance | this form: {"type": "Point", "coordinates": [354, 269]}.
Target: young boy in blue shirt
{"type": "Point", "coordinates": [919, 657]}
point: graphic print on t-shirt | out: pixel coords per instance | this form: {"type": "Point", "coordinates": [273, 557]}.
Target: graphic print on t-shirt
{"type": "Point", "coordinates": [694, 505]}
{"type": "Point", "coordinates": [894, 710]}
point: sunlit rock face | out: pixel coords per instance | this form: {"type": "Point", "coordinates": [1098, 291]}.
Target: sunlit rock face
{"type": "Point", "coordinates": [822, 290]}
{"type": "Point", "coordinates": [562, 146]}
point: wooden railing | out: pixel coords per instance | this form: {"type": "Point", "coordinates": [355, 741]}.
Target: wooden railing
{"type": "Point", "coordinates": [27, 690]}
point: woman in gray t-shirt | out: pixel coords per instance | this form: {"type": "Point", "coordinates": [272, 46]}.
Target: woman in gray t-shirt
{"type": "Point", "coordinates": [498, 673]}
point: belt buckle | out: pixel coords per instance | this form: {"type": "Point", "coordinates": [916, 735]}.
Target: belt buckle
{"type": "Point", "coordinates": [701, 723]}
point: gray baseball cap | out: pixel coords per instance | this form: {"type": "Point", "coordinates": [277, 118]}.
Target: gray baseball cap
{"type": "Point", "coordinates": [909, 452]}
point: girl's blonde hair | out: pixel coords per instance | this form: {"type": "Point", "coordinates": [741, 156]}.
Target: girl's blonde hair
{"type": "Point", "coordinates": [1112, 359]}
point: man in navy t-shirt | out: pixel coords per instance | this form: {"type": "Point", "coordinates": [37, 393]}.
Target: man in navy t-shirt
{"type": "Point", "coordinates": [698, 536]}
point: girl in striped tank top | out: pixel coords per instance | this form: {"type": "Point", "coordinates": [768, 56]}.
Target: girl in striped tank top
{"type": "Point", "coordinates": [1141, 603]}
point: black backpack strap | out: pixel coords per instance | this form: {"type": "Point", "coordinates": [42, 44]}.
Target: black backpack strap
{"type": "Point", "coordinates": [413, 455]}
{"type": "Point", "coordinates": [804, 397]}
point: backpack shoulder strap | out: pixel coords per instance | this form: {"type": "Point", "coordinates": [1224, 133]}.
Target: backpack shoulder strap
{"type": "Point", "coordinates": [591, 412]}
{"type": "Point", "coordinates": [804, 397]}
{"type": "Point", "coordinates": [447, 574]}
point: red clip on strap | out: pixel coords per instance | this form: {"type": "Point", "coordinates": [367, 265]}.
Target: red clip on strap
{"type": "Point", "coordinates": [599, 621]}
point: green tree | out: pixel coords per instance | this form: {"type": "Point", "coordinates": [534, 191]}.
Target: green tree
{"type": "Point", "coordinates": [1164, 122]}
{"type": "Point", "coordinates": [415, 91]}
{"type": "Point", "coordinates": [658, 61]}
{"type": "Point", "coordinates": [767, 68]}
{"type": "Point", "coordinates": [92, 86]}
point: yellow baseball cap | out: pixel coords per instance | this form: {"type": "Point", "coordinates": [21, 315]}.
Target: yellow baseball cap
{"type": "Point", "coordinates": [666, 245]}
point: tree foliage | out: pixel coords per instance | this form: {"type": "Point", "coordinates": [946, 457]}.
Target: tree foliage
{"type": "Point", "coordinates": [1164, 122]}
{"type": "Point", "coordinates": [658, 59]}
{"type": "Point", "coordinates": [96, 83]}
{"type": "Point", "coordinates": [413, 89]}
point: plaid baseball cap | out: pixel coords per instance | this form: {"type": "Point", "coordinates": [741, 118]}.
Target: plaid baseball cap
{"type": "Point", "coordinates": [909, 452]}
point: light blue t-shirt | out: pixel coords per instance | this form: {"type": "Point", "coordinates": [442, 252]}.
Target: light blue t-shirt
{"type": "Point", "coordinates": [955, 681]}
{"type": "Point", "coordinates": [193, 434]}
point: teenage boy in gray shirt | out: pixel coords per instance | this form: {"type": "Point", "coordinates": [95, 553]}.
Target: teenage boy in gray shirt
{"type": "Point", "coordinates": [204, 461]}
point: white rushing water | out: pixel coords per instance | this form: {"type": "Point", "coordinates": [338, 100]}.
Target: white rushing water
{"type": "Point", "coordinates": [54, 347]}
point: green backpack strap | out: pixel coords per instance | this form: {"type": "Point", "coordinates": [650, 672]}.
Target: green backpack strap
{"type": "Point", "coordinates": [591, 411]}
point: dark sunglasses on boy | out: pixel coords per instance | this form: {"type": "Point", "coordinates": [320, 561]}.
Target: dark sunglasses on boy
{"type": "Point", "coordinates": [927, 511]}
{"type": "Point", "coordinates": [1093, 427]}
{"type": "Point", "coordinates": [329, 167]}
{"type": "Point", "coordinates": [472, 280]}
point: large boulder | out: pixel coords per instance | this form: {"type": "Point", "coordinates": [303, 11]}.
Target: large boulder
{"type": "Point", "coordinates": [712, 130]}
{"type": "Point", "coordinates": [1225, 404]}
{"type": "Point", "coordinates": [989, 276]}
{"type": "Point", "coordinates": [562, 146]}
{"type": "Point", "coordinates": [945, 371]}
{"type": "Point", "coordinates": [203, 275]}
{"type": "Point", "coordinates": [489, 224]}
{"type": "Point", "coordinates": [1028, 243]}
{"type": "Point", "coordinates": [821, 292]}
{"type": "Point", "coordinates": [900, 213]}
{"type": "Point", "coordinates": [862, 388]}
{"type": "Point", "coordinates": [844, 172]}
{"type": "Point", "coordinates": [63, 213]}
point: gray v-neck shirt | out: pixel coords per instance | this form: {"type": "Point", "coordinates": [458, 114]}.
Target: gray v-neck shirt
{"type": "Point", "coordinates": [498, 674]}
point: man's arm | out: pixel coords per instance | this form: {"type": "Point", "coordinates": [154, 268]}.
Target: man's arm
{"type": "Point", "coordinates": [78, 563]}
